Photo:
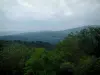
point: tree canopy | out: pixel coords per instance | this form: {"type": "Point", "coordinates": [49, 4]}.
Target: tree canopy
{"type": "Point", "coordinates": [77, 54]}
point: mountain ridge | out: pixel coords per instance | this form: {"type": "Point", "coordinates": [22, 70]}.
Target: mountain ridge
{"type": "Point", "coordinates": [46, 36]}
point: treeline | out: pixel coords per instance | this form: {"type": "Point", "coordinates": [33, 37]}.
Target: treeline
{"type": "Point", "coordinates": [77, 54]}
{"type": "Point", "coordinates": [14, 54]}
{"type": "Point", "coordinates": [37, 44]}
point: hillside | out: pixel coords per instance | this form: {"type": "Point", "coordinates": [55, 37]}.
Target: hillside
{"type": "Point", "coordinates": [46, 36]}
{"type": "Point", "coordinates": [77, 54]}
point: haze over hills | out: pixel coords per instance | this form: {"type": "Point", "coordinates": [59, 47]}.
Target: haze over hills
{"type": "Point", "coordinates": [3, 33]}
{"type": "Point", "coordinates": [46, 36]}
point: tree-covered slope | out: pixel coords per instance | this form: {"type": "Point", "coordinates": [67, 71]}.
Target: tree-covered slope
{"type": "Point", "coordinates": [77, 54]}
{"type": "Point", "coordinates": [47, 36]}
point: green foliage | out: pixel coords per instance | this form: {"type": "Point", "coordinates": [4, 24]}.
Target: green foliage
{"type": "Point", "coordinates": [79, 52]}
{"type": "Point", "coordinates": [14, 56]}
{"type": "Point", "coordinates": [41, 62]}
{"type": "Point", "coordinates": [67, 65]}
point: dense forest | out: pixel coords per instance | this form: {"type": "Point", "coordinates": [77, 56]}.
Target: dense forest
{"type": "Point", "coordinates": [77, 54]}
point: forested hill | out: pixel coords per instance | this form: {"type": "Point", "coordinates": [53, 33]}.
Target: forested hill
{"type": "Point", "coordinates": [46, 36]}
{"type": "Point", "coordinates": [77, 54]}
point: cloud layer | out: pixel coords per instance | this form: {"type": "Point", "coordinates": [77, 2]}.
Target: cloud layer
{"type": "Point", "coordinates": [35, 15]}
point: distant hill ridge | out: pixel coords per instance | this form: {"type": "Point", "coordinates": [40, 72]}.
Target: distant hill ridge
{"type": "Point", "coordinates": [46, 36]}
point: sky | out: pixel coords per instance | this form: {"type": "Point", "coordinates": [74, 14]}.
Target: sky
{"type": "Point", "coordinates": [41, 15]}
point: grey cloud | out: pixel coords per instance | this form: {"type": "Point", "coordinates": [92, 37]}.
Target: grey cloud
{"type": "Point", "coordinates": [81, 12]}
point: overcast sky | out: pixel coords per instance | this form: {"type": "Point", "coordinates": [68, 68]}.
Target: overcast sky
{"type": "Point", "coordinates": [37, 15]}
